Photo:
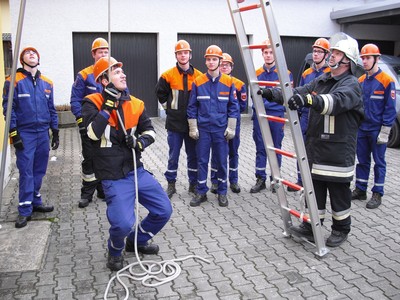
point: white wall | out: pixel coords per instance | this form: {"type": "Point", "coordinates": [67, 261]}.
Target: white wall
{"type": "Point", "coordinates": [48, 25]}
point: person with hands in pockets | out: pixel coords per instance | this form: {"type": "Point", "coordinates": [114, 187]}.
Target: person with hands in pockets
{"type": "Point", "coordinates": [379, 96]}
{"type": "Point", "coordinates": [118, 126]}
{"type": "Point", "coordinates": [212, 115]}
{"type": "Point", "coordinates": [32, 115]}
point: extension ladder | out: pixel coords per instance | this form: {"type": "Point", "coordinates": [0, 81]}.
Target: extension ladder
{"type": "Point", "coordinates": [306, 193]}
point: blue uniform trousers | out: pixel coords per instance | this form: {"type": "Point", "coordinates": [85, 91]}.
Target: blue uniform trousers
{"type": "Point", "coordinates": [120, 199]}
{"type": "Point", "coordinates": [233, 150]}
{"type": "Point", "coordinates": [32, 165]}
{"type": "Point", "coordinates": [175, 141]}
{"type": "Point", "coordinates": [366, 144]}
{"type": "Point", "coordinates": [277, 137]}
{"type": "Point", "coordinates": [219, 145]}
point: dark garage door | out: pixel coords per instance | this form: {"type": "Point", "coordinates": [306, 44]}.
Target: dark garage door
{"type": "Point", "coordinates": [137, 51]}
{"type": "Point", "coordinates": [228, 43]}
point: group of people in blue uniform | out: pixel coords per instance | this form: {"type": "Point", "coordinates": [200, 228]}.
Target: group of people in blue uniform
{"type": "Point", "coordinates": [338, 115]}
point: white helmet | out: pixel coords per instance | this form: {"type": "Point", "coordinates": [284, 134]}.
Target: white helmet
{"type": "Point", "coordinates": [346, 44]}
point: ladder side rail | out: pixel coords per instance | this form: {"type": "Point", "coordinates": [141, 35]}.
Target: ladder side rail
{"type": "Point", "coordinates": [295, 126]}
{"type": "Point", "coordinates": [258, 104]}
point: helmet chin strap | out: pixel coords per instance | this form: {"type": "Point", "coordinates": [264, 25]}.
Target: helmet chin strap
{"type": "Point", "coordinates": [373, 65]}
{"type": "Point", "coordinates": [31, 65]}
{"type": "Point", "coordinates": [337, 65]}
{"type": "Point", "coordinates": [271, 63]}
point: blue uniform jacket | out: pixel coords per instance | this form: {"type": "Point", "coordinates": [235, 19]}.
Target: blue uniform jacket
{"type": "Point", "coordinates": [379, 96]}
{"type": "Point", "coordinates": [33, 103]}
{"type": "Point", "coordinates": [263, 74]}
{"type": "Point", "coordinates": [84, 85]}
{"type": "Point", "coordinates": [212, 102]}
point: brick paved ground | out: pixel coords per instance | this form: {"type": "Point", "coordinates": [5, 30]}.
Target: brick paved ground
{"type": "Point", "coordinates": [250, 258]}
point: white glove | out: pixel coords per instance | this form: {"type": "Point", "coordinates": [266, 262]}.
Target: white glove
{"type": "Point", "coordinates": [383, 136]}
{"type": "Point", "coordinates": [193, 130]}
{"type": "Point", "coordinates": [231, 129]}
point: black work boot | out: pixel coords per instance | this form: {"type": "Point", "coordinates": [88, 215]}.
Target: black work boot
{"type": "Point", "coordinates": [115, 263]}
{"type": "Point", "coordinates": [235, 188]}
{"type": "Point", "coordinates": [222, 200]}
{"type": "Point", "coordinates": [303, 230]}
{"type": "Point", "coordinates": [144, 249]}
{"type": "Point", "coordinates": [198, 199]}
{"type": "Point", "coordinates": [43, 208]}
{"type": "Point", "coordinates": [84, 202]}
{"type": "Point", "coordinates": [375, 201]}
{"type": "Point", "coordinates": [336, 238]}
{"type": "Point", "coordinates": [171, 189]}
{"type": "Point", "coordinates": [214, 188]}
{"type": "Point", "coordinates": [192, 188]}
{"type": "Point", "coordinates": [260, 185]}
{"type": "Point", "coordinates": [358, 194]}
{"type": "Point", "coordinates": [22, 221]}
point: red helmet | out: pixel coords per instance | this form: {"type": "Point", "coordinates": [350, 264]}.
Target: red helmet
{"type": "Point", "coordinates": [99, 43]}
{"type": "Point", "coordinates": [323, 44]}
{"type": "Point", "coordinates": [21, 56]}
{"type": "Point", "coordinates": [227, 58]}
{"type": "Point", "coordinates": [370, 49]}
{"type": "Point", "coordinates": [103, 64]}
{"type": "Point", "coordinates": [182, 45]}
{"type": "Point", "coordinates": [213, 50]}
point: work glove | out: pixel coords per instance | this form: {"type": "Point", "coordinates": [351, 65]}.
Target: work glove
{"type": "Point", "coordinates": [81, 126]}
{"type": "Point", "coordinates": [111, 97]}
{"type": "Point", "coordinates": [193, 130]}
{"type": "Point", "coordinates": [298, 101]}
{"type": "Point", "coordinates": [15, 139]}
{"type": "Point", "coordinates": [55, 140]}
{"type": "Point", "coordinates": [230, 129]}
{"type": "Point", "coordinates": [272, 95]}
{"type": "Point", "coordinates": [383, 136]}
{"type": "Point", "coordinates": [133, 142]}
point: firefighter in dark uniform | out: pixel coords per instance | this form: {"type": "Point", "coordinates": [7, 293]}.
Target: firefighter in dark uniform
{"type": "Point", "coordinates": [173, 92]}
{"type": "Point", "coordinates": [336, 112]}
{"type": "Point", "coordinates": [114, 166]}
{"type": "Point", "coordinates": [85, 85]}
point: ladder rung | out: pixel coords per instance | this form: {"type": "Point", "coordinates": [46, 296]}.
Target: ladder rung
{"type": "Point", "coordinates": [283, 152]}
{"type": "Point", "coordinates": [271, 83]}
{"type": "Point", "coordinates": [275, 119]}
{"type": "Point", "coordinates": [297, 214]}
{"type": "Point", "coordinates": [245, 8]}
{"type": "Point", "coordinates": [259, 46]}
{"type": "Point", "coordinates": [292, 185]}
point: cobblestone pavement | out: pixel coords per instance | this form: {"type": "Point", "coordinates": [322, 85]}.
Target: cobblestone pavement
{"type": "Point", "coordinates": [249, 257]}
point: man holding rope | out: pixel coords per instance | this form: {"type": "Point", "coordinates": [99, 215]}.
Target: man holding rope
{"type": "Point", "coordinates": [120, 130]}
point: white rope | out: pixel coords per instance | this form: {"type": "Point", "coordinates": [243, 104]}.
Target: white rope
{"type": "Point", "coordinates": [149, 269]}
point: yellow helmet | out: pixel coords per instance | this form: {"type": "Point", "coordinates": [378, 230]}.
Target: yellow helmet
{"type": "Point", "coordinates": [99, 43]}
{"type": "Point", "coordinates": [213, 50]}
